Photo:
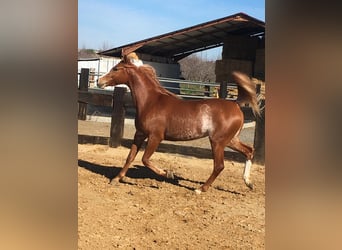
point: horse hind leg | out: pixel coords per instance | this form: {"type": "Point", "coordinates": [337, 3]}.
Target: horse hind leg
{"type": "Point", "coordinates": [248, 151]}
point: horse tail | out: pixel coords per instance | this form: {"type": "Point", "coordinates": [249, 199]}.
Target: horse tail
{"type": "Point", "coordinates": [246, 91]}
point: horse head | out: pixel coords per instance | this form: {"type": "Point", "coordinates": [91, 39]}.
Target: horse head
{"type": "Point", "coordinates": [117, 75]}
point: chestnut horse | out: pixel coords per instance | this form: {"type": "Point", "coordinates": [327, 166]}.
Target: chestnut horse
{"type": "Point", "coordinates": [161, 115]}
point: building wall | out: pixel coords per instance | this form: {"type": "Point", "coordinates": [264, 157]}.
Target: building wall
{"type": "Point", "coordinates": [104, 64]}
{"type": "Point", "coordinates": [165, 69]}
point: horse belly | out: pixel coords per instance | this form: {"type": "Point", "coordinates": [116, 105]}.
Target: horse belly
{"type": "Point", "coordinates": [184, 130]}
{"type": "Point", "coordinates": [184, 135]}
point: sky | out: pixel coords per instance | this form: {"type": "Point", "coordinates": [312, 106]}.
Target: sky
{"type": "Point", "coordinates": [105, 24]}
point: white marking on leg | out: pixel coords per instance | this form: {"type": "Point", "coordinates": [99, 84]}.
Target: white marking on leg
{"type": "Point", "coordinates": [247, 171]}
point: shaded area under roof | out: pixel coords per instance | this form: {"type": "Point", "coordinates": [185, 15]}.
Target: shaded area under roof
{"type": "Point", "coordinates": [182, 43]}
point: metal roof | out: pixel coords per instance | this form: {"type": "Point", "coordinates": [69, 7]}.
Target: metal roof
{"type": "Point", "coordinates": [181, 43]}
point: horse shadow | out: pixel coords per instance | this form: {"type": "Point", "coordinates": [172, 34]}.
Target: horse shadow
{"type": "Point", "coordinates": [198, 152]}
{"type": "Point", "coordinates": [138, 172]}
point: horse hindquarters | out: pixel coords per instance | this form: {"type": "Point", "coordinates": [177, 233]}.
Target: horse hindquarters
{"type": "Point", "coordinates": [226, 122]}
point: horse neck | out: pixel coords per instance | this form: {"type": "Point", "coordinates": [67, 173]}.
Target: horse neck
{"type": "Point", "coordinates": [143, 91]}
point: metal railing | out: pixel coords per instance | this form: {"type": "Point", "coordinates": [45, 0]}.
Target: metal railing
{"type": "Point", "coordinates": [184, 88]}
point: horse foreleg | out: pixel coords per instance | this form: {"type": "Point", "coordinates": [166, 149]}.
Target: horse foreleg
{"type": "Point", "coordinates": [139, 138]}
{"type": "Point", "coordinates": [152, 145]}
{"type": "Point", "coordinates": [248, 151]}
{"type": "Point", "coordinates": [218, 153]}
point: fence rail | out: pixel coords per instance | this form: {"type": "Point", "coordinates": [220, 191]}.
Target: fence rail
{"type": "Point", "coordinates": [184, 88]}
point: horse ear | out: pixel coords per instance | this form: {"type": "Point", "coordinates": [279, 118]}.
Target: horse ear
{"type": "Point", "coordinates": [124, 56]}
{"type": "Point", "coordinates": [127, 50]}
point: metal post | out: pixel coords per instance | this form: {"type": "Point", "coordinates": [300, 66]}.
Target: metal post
{"type": "Point", "coordinates": [223, 90]}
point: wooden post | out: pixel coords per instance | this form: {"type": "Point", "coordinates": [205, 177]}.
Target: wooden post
{"type": "Point", "coordinates": [259, 136]}
{"type": "Point", "coordinates": [223, 90]}
{"type": "Point", "coordinates": [84, 81]}
{"type": "Point", "coordinates": [118, 117]}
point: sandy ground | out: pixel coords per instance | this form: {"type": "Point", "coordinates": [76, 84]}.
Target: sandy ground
{"type": "Point", "coordinates": [150, 212]}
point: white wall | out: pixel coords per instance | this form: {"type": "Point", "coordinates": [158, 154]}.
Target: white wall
{"type": "Point", "coordinates": [100, 67]}
{"type": "Point", "coordinates": [166, 69]}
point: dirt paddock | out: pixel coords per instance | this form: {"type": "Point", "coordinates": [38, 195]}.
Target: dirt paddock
{"type": "Point", "coordinates": [150, 212]}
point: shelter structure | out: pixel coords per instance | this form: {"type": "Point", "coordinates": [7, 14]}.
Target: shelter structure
{"type": "Point", "coordinates": [241, 36]}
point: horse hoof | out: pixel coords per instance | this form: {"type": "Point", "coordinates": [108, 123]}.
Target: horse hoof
{"type": "Point", "coordinates": [114, 182]}
{"type": "Point", "coordinates": [197, 191]}
{"type": "Point", "coordinates": [169, 174]}
{"type": "Point", "coordinates": [250, 185]}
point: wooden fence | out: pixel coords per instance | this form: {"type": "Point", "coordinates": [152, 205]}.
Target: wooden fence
{"type": "Point", "coordinates": [120, 100]}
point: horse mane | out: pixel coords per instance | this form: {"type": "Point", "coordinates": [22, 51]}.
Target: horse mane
{"type": "Point", "coordinates": [151, 73]}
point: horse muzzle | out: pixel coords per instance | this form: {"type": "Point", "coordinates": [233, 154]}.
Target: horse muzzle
{"type": "Point", "coordinates": [100, 83]}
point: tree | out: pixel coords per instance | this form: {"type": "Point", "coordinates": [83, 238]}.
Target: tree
{"type": "Point", "coordinates": [194, 68]}
{"type": "Point", "coordinates": [105, 46]}
{"type": "Point", "coordinates": [87, 53]}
